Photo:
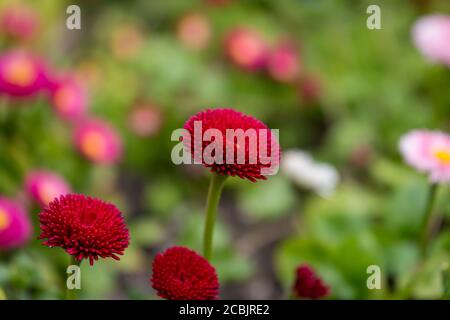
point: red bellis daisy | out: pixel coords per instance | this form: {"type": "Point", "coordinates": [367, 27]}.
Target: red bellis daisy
{"type": "Point", "coordinates": [181, 274]}
{"type": "Point", "coordinates": [223, 119]}
{"type": "Point", "coordinates": [308, 285]}
{"type": "Point", "coordinates": [85, 227]}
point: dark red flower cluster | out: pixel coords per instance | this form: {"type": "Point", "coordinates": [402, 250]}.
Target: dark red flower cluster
{"type": "Point", "coordinates": [181, 274]}
{"type": "Point", "coordinates": [85, 227]}
{"type": "Point", "coordinates": [223, 119]}
{"type": "Point", "coordinates": [308, 285]}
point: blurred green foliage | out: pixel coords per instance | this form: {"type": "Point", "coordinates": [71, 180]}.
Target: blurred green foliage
{"type": "Point", "coordinates": [374, 86]}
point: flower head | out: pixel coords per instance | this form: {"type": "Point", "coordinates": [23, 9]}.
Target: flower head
{"type": "Point", "coordinates": [145, 120]}
{"type": "Point", "coordinates": [69, 98]}
{"type": "Point", "coordinates": [431, 35]}
{"type": "Point", "coordinates": [249, 149]}
{"type": "Point", "coordinates": [181, 274]}
{"type": "Point", "coordinates": [21, 74]}
{"type": "Point", "coordinates": [44, 186]}
{"type": "Point", "coordinates": [247, 49]}
{"type": "Point", "coordinates": [98, 141]}
{"type": "Point", "coordinates": [304, 171]}
{"type": "Point", "coordinates": [194, 31]}
{"type": "Point", "coordinates": [308, 285]}
{"type": "Point", "coordinates": [19, 21]}
{"type": "Point", "coordinates": [15, 225]}
{"type": "Point", "coordinates": [284, 64]}
{"type": "Point", "coordinates": [428, 151]}
{"type": "Point", "coordinates": [84, 227]}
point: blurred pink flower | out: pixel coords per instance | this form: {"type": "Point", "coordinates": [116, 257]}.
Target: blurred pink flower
{"type": "Point", "coordinates": [428, 151]}
{"type": "Point", "coordinates": [90, 74]}
{"type": "Point", "coordinates": [69, 98]}
{"type": "Point", "coordinates": [247, 49]}
{"type": "Point", "coordinates": [98, 141]}
{"type": "Point", "coordinates": [431, 35]}
{"type": "Point", "coordinates": [126, 41]}
{"type": "Point", "coordinates": [145, 120]}
{"type": "Point", "coordinates": [284, 63]}
{"type": "Point", "coordinates": [194, 31]}
{"type": "Point", "coordinates": [19, 21]}
{"type": "Point", "coordinates": [15, 225]}
{"type": "Point", "coordinates": [22, 74]}
{"type": "Point", "coordinates": [44, 186]}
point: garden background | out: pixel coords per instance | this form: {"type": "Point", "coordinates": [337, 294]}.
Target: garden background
{"type": "Point", "coordinates": [357, 92]}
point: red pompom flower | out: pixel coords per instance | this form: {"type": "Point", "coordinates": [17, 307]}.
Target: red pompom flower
{"type": "Point", "coordinates": [85, 227]}
{"type": "Point", "coordinates": [249, 149]}
{"type": "Point", "coordinates": [308, 285]}
{"type": "Point", "coordinates": [181, 274]}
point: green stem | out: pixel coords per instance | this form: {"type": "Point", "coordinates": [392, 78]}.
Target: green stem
{"type": "Point", "coordinates": [71, 294]}
{"type": "Point", "coordinates": [427, 219]}
{"type": "Point", "coordinates": [215, 190]}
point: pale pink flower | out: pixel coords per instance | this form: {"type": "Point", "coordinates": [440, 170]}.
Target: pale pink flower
{"type": "Point", "coordinates": [69, 98]}
{"type": "Point", "coordinates": [247, 49]}
{"type": "Point", "coordinates": [97, 141]}
{"type": "Point", "coordinates": [19, 21]}
{"type": "Point", "coordinates": [429, 152]}
{"type": "Point", "coordinates": [44, 186]}
{"type": "Point", "coordinates": [284, 63]}
{"type": "Point", "coordinates": [145, 120]}
{"type": "Point", "coordinates": [431, 35]}
{"type": "Point", "coordinates": [194, 31]}
{"type": "Point", "coordinates": [126, 41]}
{"type": "Point", "coordinates": [15, 225]}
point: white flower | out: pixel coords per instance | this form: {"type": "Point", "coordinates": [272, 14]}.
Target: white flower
{"type": "Point", "coordinates": [305, 172]}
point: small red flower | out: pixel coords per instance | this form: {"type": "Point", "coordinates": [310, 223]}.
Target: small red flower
{"type": "Point", "coordinates": [181, 274]}
{"type": "Point", "coordinates": [85, 227]}
{"type": "Point", "coordinates": [308, 285]}
{"type": "Point", "coordinates": [264, 149]}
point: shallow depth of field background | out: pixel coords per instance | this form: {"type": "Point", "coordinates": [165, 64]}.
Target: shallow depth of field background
{"type": "Point", "coordinates": [367, 88]}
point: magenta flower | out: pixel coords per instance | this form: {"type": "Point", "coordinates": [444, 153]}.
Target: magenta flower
{"type": "Point", "coordinates": [44, 186]}
{"type": "Point", "coordinates": [19, 22]}
{"type": "Point", "coordinates": [247, 49]}
{"type": "Point", "coordinates": [69, 98]}
{"type": "Point", "coordinates": [85, 227]}
{"type": "Point", "coordinates": [97, 141]}
{"type": "Point", "coordinates": [15, 225]}
{"type": "Point", "coordinates": [21, 74]}
{"type": "Point", "coordinates": [284, 63]}
{"type": "Point", "coordinates": [429, 152]}
{"type": "Point", "coordinates": [431, 35]}
{"type": "Point", "coordinates": [179, 273]}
